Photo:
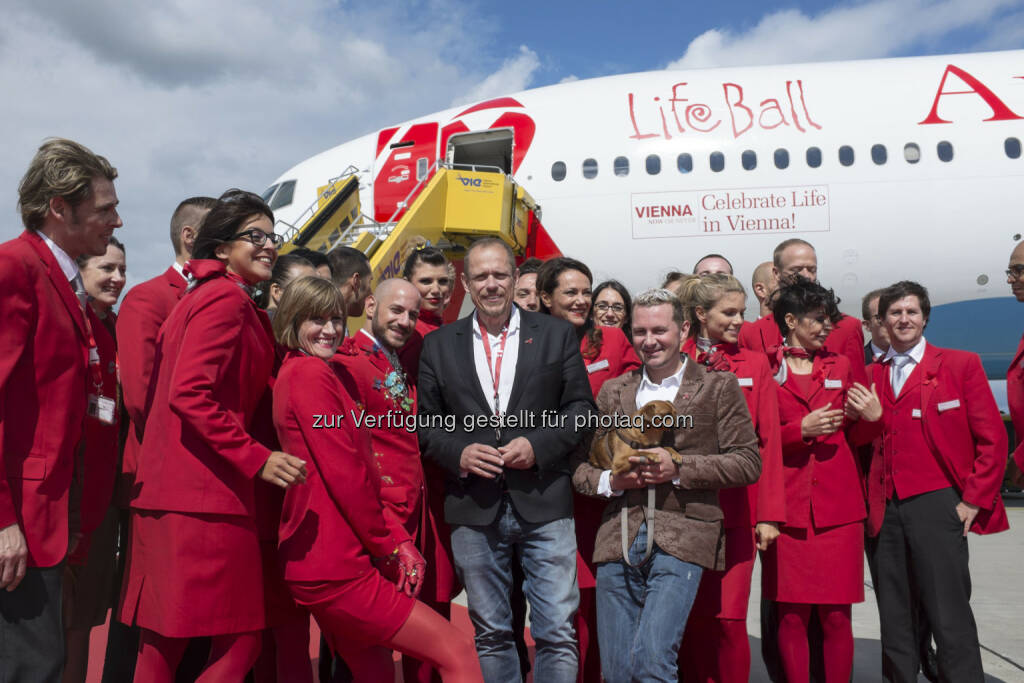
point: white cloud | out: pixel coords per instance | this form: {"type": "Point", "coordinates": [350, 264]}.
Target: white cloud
{"type": "Point", "coordinates": [570, 78]}
{"type": "Point", "coordinates": [878, 28]}
{"type": "Point", "coordinates": [514, 75]}
{"type": "Point", "coordinates": [190, 97]}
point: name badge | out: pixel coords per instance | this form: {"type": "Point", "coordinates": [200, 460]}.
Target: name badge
{"type": "Point", "coordinates": [916, 413]}
{"type": "Point", "coordinates": [745, 381]}
{"type": "Point", "coordinates": [833, 384]}
{"type": "Point", "coordinates": [598, 366]}
{"type": "Point", "coordinates": [949, 405]}
{"type": "Point", "coordinates": [101, 408]}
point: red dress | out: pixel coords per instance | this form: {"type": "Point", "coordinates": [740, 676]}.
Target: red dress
{"type": "Point", "coordinates": [333, 525]}
{"type": "Point", "coordinates": [194, 563]}
{"type": "Point", "coordinates": [726, 594]}
{"type": "Point", "coordinates": [819, 556]}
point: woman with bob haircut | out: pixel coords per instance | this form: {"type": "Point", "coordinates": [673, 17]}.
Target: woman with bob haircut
{"type": "Point", "coordinates": [715, 644]}
{"type": "Point", "coordinates": [817, 562]}
{"type": "Point", "coordinates": [194, 560]}
{"type": "Point", "coordinates": [613, 306]}
{"type": "Point", "coordinates": [340, 559]}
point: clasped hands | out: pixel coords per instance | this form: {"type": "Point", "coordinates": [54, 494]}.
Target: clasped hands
{"type": "Point", "coordinates": [645, 472]}
{"type": "Point", "coordinates": [489, 461]}
{"type": "Point", "coordinates": [405, 567]}
{"type": "Point", "coordinates": [861, 404]}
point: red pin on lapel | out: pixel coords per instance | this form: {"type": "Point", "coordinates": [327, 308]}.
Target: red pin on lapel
{"type": "Point", "coordinates": [528, 341]}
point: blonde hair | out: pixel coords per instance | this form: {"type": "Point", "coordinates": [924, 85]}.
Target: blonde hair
{"type": "Point", "coordinates": [60, 168]}
{"type": "Point", "coordinates": [305, 298]}
{"type": "Point", "coordinates": [705, 291]}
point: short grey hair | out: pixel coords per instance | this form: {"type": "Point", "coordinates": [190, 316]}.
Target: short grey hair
{"type": "Point", "coordinates": [660, 297]}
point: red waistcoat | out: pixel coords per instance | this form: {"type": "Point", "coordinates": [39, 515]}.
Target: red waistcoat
{"type": "Point", "coordinates": [910, 466]}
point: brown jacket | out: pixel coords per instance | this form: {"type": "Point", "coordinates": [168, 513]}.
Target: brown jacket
{"type": "Point", "coordinates": [718, 451]}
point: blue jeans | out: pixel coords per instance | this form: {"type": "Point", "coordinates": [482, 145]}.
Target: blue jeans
{"type": "Point", "coordinates": [483, 557]}
{"type": "Point", "coordinates": [642, 613]}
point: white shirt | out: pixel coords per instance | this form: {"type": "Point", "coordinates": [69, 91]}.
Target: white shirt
{"type": "Point", "coordinates": [916, 353]}
{"type": "Point", "coordinates": [876, 352]}
{"type": "Point", "coordinates": [181, 270]}
{"type": "Point", "coordinates": [66, 263]}
{"type": "Point", "coordinates": [508, 361]}
{"type": "Point", "coordinates": [647, 391]}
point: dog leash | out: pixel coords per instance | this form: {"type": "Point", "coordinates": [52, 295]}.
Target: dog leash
{"type": "Point", "coordinates": [624, 519]}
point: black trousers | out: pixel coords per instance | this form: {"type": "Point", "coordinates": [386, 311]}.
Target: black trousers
{"type": "Point", "coordinates": [32, 628]}
{"type": "Point", "coordinates": [922, 560]}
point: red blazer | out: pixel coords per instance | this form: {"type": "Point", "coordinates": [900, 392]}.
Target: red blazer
{"type": "Point", "coordinates": [764, 501]}
{"type": "Point", "coordinates": [615, 358]}
{"type": "Point", "coordinates": [214, 357]}
{"type": "Point", "coordinates": [396, 451]}
{"type": "Point", "coordinates": [1015, 397]}
{"type": "Point", "coordinates": [44, 354]}
{"type": "Point", "coordinates": [846, 339]}
{"type": "Point", "coordinates": [144, 309]}
{"type": "Point", "coordinates": [410, 353]}
{"type": "Point", "coordinates": [968, 436]}
{"type": "Point", "coordinates": [333, 524]}
{"type": "Point", "coordinates": [101, 440]}
{"type": "Point", "coordinates": [823, 481]}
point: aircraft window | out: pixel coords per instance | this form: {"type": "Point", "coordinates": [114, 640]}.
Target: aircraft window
{"type": "Point", "coordinates": [781, 158]}
{"type": "Point", "coordinates": [911, 152]}
{"type": "Point", "coordinates": [684, 162]}
{"type": "Point", "coordinates": [945, 151]}
{"type": "Point", "coordinates": [421, 168]}
{"type": "Point", "coordinates": [878, 154]}
{"type": "Point", "coordinates": [620, 166]}
{"type": "Point", "coordinates": [590, 168]}
{"type": "Point", "coordinates": [813, 157]}
{"type": "Point", "coordinates": [653, 164]}
{"type": "Point", "coordinates": [558, 171]}
{"type": "Point", "coordinates": [749, 159]}
{"type": "Point", "coordinates": [1012, 147]}
{"type": "Point", "coordinates": [846, 155]}
{"type": "Point", "coordinates": [268, 193]}
{"type": "Point", "coordinates": [284, 195]}
{"type": "Point", "coordinates": [717, 161]}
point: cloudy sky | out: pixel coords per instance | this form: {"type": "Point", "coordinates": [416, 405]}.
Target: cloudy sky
{"type": "Point", "coordinates": [191, 97]}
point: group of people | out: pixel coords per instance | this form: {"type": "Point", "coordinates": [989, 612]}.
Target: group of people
{"type": "Point", "coordinates": [220, 461]}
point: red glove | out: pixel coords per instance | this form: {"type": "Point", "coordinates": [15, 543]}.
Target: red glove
{"type": "Point", "coordinates": [405, 566]}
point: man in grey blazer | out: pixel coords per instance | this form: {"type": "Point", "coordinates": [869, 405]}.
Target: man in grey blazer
{"type": "Point", "coordinates": [663, 526]}
{"type": "Point", "coordinates": [517, 386]}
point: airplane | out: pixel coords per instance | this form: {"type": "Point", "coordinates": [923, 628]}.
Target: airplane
{"type": "Point", "coordinates": [893, 169]}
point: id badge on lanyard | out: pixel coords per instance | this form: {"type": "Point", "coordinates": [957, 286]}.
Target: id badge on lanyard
{"type": "Point", "coordinates": [98, 407]}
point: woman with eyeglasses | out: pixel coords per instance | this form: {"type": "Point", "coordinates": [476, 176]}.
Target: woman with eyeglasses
{"type": "Point", "coordinates": [613, 306]}
{"type": "Point", "coordinates": [355, 574]}
{"type": "Point", "coordinates": [715, 646]}
{"type": "Point", "coordinates": [817, 562]}
{"type": "Point", "coordinates": [194, 566]}
{"type": "Point", "coordinates": [563, 285]}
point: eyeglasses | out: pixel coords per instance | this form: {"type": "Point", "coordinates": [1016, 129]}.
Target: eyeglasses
{"type": "Point", "coordinates": [1015, 271]}
{"type": "Point", "coordinates": [259, 238]}
{"type": "Point", "coordinates": [604, 308]}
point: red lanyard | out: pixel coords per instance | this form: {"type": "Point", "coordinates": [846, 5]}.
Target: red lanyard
{"type": "Point", "coordinates": [496, 369]}
{"type": "Point", "coordinates": [94, 355]}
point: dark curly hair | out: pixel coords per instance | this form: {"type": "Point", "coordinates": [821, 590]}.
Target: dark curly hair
{"type": "Point", "coordinates": [801, 297]}
{"type": "Point", "coordinates": [232, 209]}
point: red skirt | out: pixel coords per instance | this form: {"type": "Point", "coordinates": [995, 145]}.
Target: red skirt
{"type": "Point", "coordinates": [192, 575]}
{"type": "Point", "coordinates": [280, 607]}
{"type": "Point", "coordinates": [726, 594]}
{"type": "Point", "coordinates": [816, 566]}
{"type": "Point", "coordinates": [586, 512]}
{"type": "Point", "coordinates": [367, 610]}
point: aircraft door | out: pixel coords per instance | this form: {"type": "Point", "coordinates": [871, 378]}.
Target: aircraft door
{"type": "Point", "coordinates": [405, 162]}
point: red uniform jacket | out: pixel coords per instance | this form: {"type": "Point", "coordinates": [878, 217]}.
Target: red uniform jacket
{"type": "Point", "coordinates": [615, 358]}
{"type": "Point", "coordinates": [410, 353]}
{"type": "Point", "coordinates": [44, 354]}
{"type": "Point", "coordinates": [101, 440]}
{"type": "Point", "coordinates": [396, 450]}
{"type": "Point", "coordinates": [1015, 397]}
{"type": "Point", "coordinates": [333, 523]}
{"type": "Point", "coordinates": [144, 309]}
{"type": "Point", "coordinates": [823, 481]}
{"type": "Point", "coordinates": [846, 339]}
{"type": "Point", "coordinates": [214, 358]}
{"type": "Point", "coordinates": [764, 501]}
{"type": "Point", "coordinates": [964, 429]}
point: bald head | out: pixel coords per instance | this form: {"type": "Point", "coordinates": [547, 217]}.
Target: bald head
{"type": "Point", "coordinates": [1016, 267]}
{"type": "Point", "coordinates": [392, 311]}
{"type": "Point", "coordinates": [763, 283]}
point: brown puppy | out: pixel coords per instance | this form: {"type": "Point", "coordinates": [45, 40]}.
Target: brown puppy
{"type": "Point", "coordinates": [613, 449]}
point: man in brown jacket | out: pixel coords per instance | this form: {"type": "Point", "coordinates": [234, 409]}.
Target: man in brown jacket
{"type": "Point", "coordinates": [663, 526]}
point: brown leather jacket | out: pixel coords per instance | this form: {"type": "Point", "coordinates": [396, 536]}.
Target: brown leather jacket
{"type": "Point", "coordinates": [719, 450]}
